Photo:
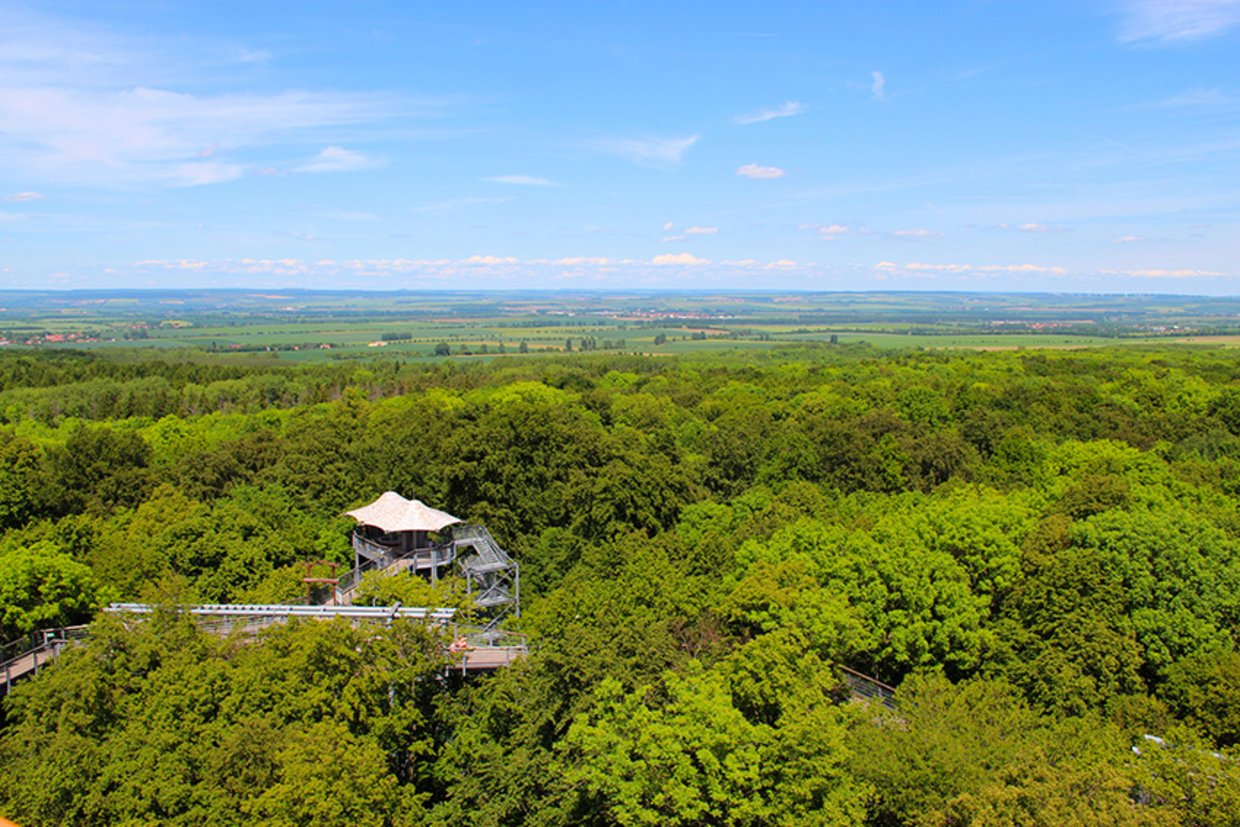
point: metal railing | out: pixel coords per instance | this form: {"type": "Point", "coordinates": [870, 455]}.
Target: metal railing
{"type": "Point", "coordinates": [287, 610]}
{"type": "Point", "coordinates": [472, 648]}
{"type": "Point", "coordinates": [865, 688]}
{"type": "Point", "coordinates": [378, 556]}
{"type": "Point", "coordinates": [21, 657]}
{"type": "Point", "coordinates": [38, 640]}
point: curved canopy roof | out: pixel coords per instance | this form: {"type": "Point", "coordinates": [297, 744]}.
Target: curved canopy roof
{"type": "Point", "coordinates": [392, 513]}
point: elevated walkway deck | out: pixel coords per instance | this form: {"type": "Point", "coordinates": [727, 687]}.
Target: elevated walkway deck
{"type": "Point", "coordinates": [28, 655]}
{"type": "Point", "coordinates": [472, 648]}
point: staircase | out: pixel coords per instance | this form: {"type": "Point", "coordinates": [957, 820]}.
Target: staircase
{"type": "Point", "coordinates": [492, 579]}
{"type": "Point", "coordinates": [491, 576]}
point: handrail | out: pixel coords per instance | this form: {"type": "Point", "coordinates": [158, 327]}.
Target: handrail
{"type": "Point", "coordinates": [388, 556]}
{"type": "Point", "coordinates": [39, 639]}
{"type": "Point", "coordinates": [441, 615]}
{"type": "Point", "coordinates": [867, 688]}
{"type": "Point", "coordinates": [480, 648]}
{"type": "Point", "coordinates": [374, 547]}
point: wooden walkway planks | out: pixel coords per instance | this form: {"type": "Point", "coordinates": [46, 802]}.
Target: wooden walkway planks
{"type": "Point", "coordinates": [27, 663]}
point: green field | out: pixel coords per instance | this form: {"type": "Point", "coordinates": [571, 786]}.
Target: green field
{"type": "Point", "coordinates": [323, 327]}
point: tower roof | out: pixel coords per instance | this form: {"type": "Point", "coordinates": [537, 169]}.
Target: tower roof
{"type": "Point", "coordinates": [392, 513]}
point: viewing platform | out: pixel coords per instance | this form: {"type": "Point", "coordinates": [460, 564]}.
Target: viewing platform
{"type": "Point", "coordinates": [393, 536]}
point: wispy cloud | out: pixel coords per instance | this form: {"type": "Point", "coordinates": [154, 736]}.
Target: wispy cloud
{"type": "Point", "coordinates": [464, 202]}
{"type": "Point", "coordinates": [758, 171]}
{"type": "Point", "coordinates": [878, 86]}
{"type": "Point", "coordinates": [93, 108]}
{"type": "Point", "coordinates": [923, 267]}
{"type": "Point", "coordinates": [198, 173]}
{"type": "Point", "coordinates": [829, 232]}
{"type": "Point", "coordinates": [350, 215]}
{"type": "Point", "coordinates": [337, 159]}
{"type": "Point", "coordinates": [1177, 20]}
{"type": "Point", "coordinates": [917, 232]}
{"type": "Point", "coordinates": [177, 264]}
{"type": "Point", "coordinates": [1029, 227]}
{"type": "Point", "coordinates": [785, 110]}
{"type": "Point", "coordinates": [1165, 274]}
{"type": "Point", "coordinates": [42, 48]}
{"type": "Point", "coordinates": [701, 230]}
{"type": "Point", "coordinates": [514, 271]}
{"type": "Point", "coordinates": [681, 259]}
{"type": "Point", "coordinates": [584, 261]}
{"type": "Point", "coordinates": [24, 196]}
{"type": "Point", "coordinates": [520, 180]}
{"type": "Point", "coordinates": [145, 135]}
{"type": "Point", "coordinates": [1195, 98]}
{"type": "Point", "coordinates": [1127, 239]}
{"type": "Point", "coordinates": [649, 151]}
{"type": "Point", "coordinates": [490, 260]}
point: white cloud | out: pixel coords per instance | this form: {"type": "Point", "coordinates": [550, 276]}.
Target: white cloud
{"type": "Point", "coordinates": [1177, 20]}
{"type": "Point", "coordinates": [668, 239]}
{"type": "Point", "coordinates": [679, 259]}
{"type": "Point", "coordinates": [917, 232]}
{"type": "Point", "coordinates": [144, 135]}
{"type": "Point", "coordinates": [786, 110]}
{"type": "Point", "coordinates": [650, 151]}
{"type": "Point", "coordinates": [1020, 268]}
{"type": "Point", "coordinates": [1197, 97]}
{"type": "Point", "coordinates": [756, 171]}
{"type": "Point", "coordinates": [828, 231]}
{"type": "Point", "coordinates": [1034, 227]}
{"type": "Point", "coordinates": [490, 260]}
{"type": "Point", "coordinates": [42, 48]}
{"type": "Point", "coordinates": [667, 226]}
{"type": "Point", "coordinates": [1165, 274]}
{"type": "Point", "coordinates": [474, 270]}
{"type": "Point", "coordinates": [463, 202]}
{"type": "Point", "coordinates": [580, 261]}
{"type": "Point", "coordinates": [919, 266]}
{"type": "Point", "coordinates": [197, 174]}
{"type": "Point", "coordinates": [85, 105]}
{"type": "Point", "coordinates": [24, 196]}
{"type": "Point", "coordinates": [337, 159]}
{"type": "Point", "coordinates": [520, 180]}
{"type": "Point", "coordinates": [1127, 239]}
{"type": "Point", "coordinates": [878, 86]}
{"type": "Point", "coordinates": [701, 230]}
{"type": "Point", "coordinates": [178, 264]}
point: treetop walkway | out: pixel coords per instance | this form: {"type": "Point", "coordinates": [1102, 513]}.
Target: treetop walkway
{"type": "Point", "coordinates": [472, 648]}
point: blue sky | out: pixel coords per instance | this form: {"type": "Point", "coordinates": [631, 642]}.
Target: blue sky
{"type": "Point", "coordinates": [1048, 146]}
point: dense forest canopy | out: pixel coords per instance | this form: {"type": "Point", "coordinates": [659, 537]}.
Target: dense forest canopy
{"type": "Point", "coordinates": [1041, 550]}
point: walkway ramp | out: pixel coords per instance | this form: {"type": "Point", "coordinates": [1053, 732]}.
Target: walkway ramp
{"type": "Point", "coordinates": [474, 648]}
{"type": "Point", "coordinates": [28, 655]}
